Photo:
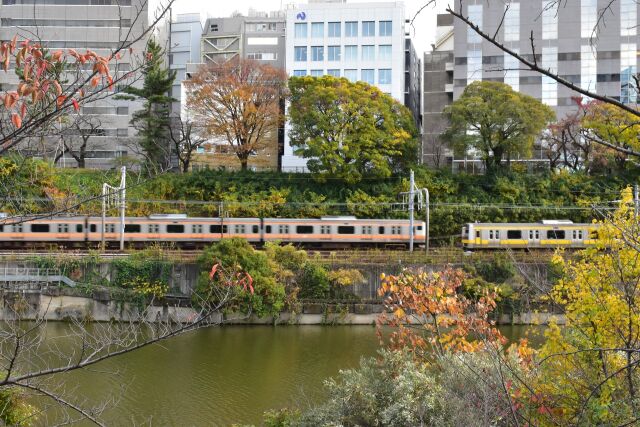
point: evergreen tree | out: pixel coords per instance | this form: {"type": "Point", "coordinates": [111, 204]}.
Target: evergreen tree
{"type": "Point", "coordinates": [152, 121]}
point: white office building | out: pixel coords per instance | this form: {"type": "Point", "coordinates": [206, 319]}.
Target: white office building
{"type": "Point", "coordinates": [359, 41]}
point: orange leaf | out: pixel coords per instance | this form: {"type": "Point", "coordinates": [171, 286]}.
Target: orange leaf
{"type": "Point", "coordinates": [16, 120]}
{"type": "Point", "coordinates": [57, 55]}
{"type": "Point", "coordinates": [95, 81]}
{"type": "Point", "coordinates": [60, 100]}
{"type": "Point", "coordinates": [23, 110]}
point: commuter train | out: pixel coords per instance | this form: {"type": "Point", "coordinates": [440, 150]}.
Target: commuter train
{"type": "Point", "coordinates": [544, 234]}
{"type": "Point", "coordinates": [182, 231]}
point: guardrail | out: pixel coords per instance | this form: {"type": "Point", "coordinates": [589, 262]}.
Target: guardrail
{"type": "Point", "coordinates": [34, 275]}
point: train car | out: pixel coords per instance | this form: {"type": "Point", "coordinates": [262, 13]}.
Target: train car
{"type": "Point", "coordinates": [544, 234]}
{"type": "Point", "coordinates": [180, 230]}
{"type": "Point", "coordinates": [346, 231]}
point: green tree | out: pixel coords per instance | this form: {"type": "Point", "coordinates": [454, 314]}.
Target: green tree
{"type": "Point", "coordinates": [152, 121]}
{"type": "Point", "coordinates": [349, 130]}
{"type": "Point", "coordinates": [497, 121]}
{"type": "Point", "coordinates": [237, 254]}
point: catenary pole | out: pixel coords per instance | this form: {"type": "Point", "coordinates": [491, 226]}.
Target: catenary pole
{"type": "Point", "coordinates": [411, 206]}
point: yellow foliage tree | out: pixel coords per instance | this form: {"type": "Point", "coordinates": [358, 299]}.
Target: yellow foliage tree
{"type": "Point", "coordinates": [588, 369]}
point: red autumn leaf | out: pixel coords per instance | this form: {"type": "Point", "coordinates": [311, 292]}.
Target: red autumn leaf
{"type": "Point", "coordinates": [23, 110]}
{"type": "Point", "coordinates": [75, 105]}
{"type": "Point", "coordinates": [61, 100]}
{"type": "Point", "coordinates": [213, 271]}
{"type": "Point", "coordinates": [16, 120]}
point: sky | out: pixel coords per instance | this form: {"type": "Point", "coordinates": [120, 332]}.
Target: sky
{"type": "Point", "coordinates": [423, 34]}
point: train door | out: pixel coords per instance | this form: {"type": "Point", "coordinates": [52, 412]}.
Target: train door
{"type": "Point", "coordinates": [494, 238]}
{"type": "Point", "coordinates": [534, 238]}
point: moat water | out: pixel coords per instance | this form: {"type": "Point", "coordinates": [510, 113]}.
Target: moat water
{"type": "Point", "coordinates": [222, 376]}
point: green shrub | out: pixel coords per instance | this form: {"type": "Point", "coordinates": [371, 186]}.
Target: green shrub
{"type": "Point", "coordinates": [313, 280]}
{"type": "Point", "coordinates": [238, 255]}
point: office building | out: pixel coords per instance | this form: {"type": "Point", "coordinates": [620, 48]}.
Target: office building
{"type": "Point", "coordinates": [603, 61]}
{"type": "Point", "coordinates": [184, 48]}
{"type": "Point", "coordinates": [358, 41]}
{"type": "Point", "coordinates": [100, 26]}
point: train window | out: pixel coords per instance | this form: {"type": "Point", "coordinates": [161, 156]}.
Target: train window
{"type": "Point", "coordinates": [267, 229]}
{"type": "Point", "coordinates": [555, 234]}
{"type": "Point", "coordinates": [255, 229]}
{"type": "Point", "coordinates": [239, 229]}
{"type": "Point", "coordinates": [304, 229]}
{"type": "Point", "coordinates": [92, 228]}
{"type": "Point", "coordinates": [1, 228]}
{"type": "Point", "coordinates": [419, 228]}
{"type": "Point", "coordinates": [325, 229]}
{"type": "Point", "coordinates": [62, 228]}
{"type": "Point", "coordinates": [154, 228]}
{"type": "Point", "coordinates": [576, 234]}
{"type": "Point", "coordinates": [78, 228]}
{"type": "Point", "coordinates": [40, 228]}
{"type": "Point", "coordinates": [175, 228]}
{"type": "Point", "coordinates": [367, 229]}
{"type": "Point", "coordinates": [217, 229]}
{"type": "Point", "coordinates": [490, 234]}
{"type": "Point", "coordinates": [346, 229]}
{"type": "Point", "coordinates": [478, 234]}
{"type": "Point", "coordinates": [109, 228]}
{"type": "Point", "coordinates": [17, 228]}
{"type": "Point", "coordinates": [396, 229]}
{"type": "Point", "coordinates": [381, 230]}
{"type": "Point", "coordinates": [283, 229]}
{"type": "Point", "coordinates": [534, 234]}
{"type": "Point", "coordinates": [132, 228]}
{"type": "Point", "coordinates": [514, 234]}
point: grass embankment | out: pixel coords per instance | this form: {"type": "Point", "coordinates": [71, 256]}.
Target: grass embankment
{"type": "Point", "coordinates": [455, 199]}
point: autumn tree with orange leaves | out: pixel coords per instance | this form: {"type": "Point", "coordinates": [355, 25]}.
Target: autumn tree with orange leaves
{"type": "Point", "coordinates": [238, 102]}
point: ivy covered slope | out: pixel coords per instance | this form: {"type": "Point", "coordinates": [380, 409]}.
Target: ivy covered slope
{"type": "Point", "coordinates": [34, 186]}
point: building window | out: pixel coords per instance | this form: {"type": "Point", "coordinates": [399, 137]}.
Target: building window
{"type": "Point", "coordinates": [549, 20]}
{"type": "Point", "coordinates": [384, 76]}
{"type": "Point", "coordinates": [300, 53]}
{"type": "Point", "coordinates": [316, 73]}
{"type": "Point", "coordinates": [385, 28]}
{"type": "Point", "coordinates": [317, 53]}
{"type": "Point", "coordinates": [368, 29]}
{"type": "Point", "coordinates": [384, 52]}
{"type": "Point", "coordinates": [333, 53]}
{"type": "Point", "coordinates": [628, 17]}
{"type": "Point", "coordinates": [512, 22]}
{"type": "Point", "coordinates": [334, 29]}
{"type": "Point", "coordinates": [550, 86]}
{"type": "Point", "coordinates": [334, 72]}
{"type": "Point", "coordinates": [367, 76]}
{"type": "Point", "coordinates": [351, 75]}
{"type": "Point", "coordinates": [589, 68]}
{"type": "Point", "coordinates": [351, 53]}
{"type": "Point", "coordinates": [214, 28]}
{"type": "Point", "coordinates": [474, 66]}
{"type": "Point", "coordinates": [475, 16]}
{"type": "Point", "coordinates": [317, 29]}
{"type": "Point", "coordinates": [588, 17]}
{"type": "Point", "coordinates": [628, 67]}
{"type": "Point", "coordinates": [511, 71]}
{"type": "Point", "coordinates": [301, 30]}
{"type": "Point", "coordinates": [351, 29]}
{"type": "Point", "coordinates": [299, 73]}
{"type": "Point", "coordinates": [368, 53]}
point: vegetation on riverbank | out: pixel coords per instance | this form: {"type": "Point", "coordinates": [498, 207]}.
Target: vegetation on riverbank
{"type": "Point", "coordinates": [35, 187]}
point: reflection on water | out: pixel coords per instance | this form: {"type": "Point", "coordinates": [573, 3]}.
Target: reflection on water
{"type": "Point", "coordinates": [220, 376]}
